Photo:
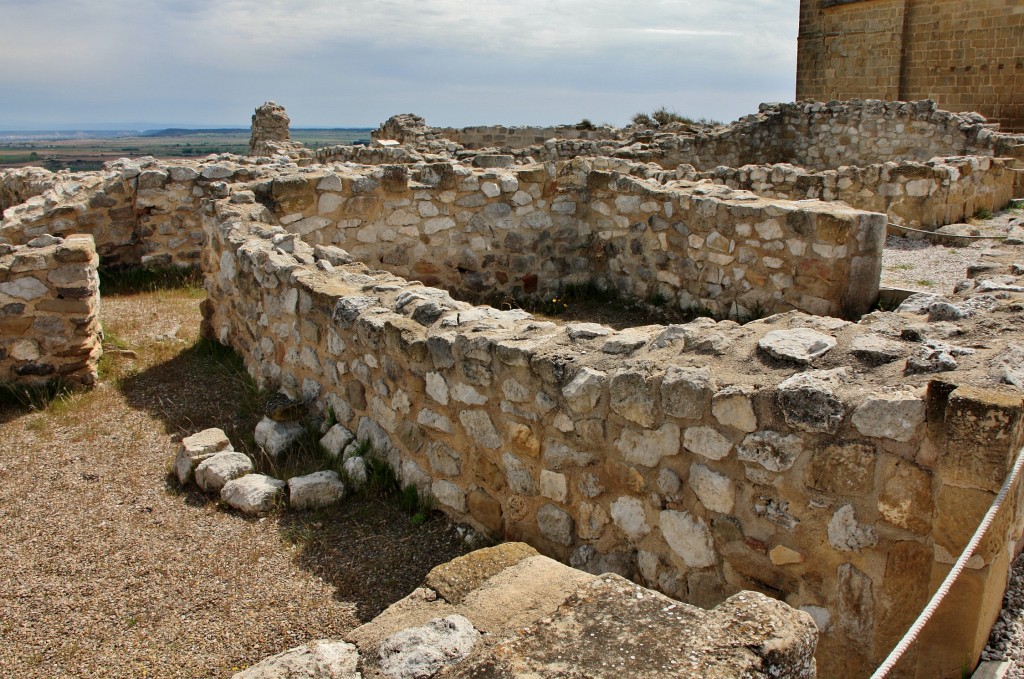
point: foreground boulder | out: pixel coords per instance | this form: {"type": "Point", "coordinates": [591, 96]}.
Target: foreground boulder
{"type": "Point", "coordinates": [253, 494]}
{"type": "Point", "coordinates": [216, 470]}
{"type": "Point", "coordinates": [275, 437]}
{"type": "Point", "coordinates": [196, 448]}
{"type": "Point", "coordinates": [315, 490]}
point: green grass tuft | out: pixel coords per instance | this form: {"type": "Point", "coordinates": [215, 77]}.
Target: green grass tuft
{"type": "Point", "coordinates": [126, 281]}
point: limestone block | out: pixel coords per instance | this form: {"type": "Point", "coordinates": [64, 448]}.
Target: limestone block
{"type": "Point", "coordinates": [846, 534]}
{"type": "Point", "coordinates": [315, 490]}
{"type": "Point", "coordinates": [555, 524]}
{"type": "Point", "coordinates": [558, 456]}
{"type": "Point", "coordinates": [411, 474]}
{"type": "Point", "coordinates": [647, 447]}
{"type": "Point", "coordinates": [434, 420]}
{"type": "Point", "coordinates": [336, 439]}
{"type": "Point", "coordinates": [629, 514]}
{"type": "Point", "coordinates": [732, 407]}
{"type": "Point", "coordinates": [808, 402]}
{"type": "Point", "coordinates": [444, 459]}
{"type": "Point", "coordinates": [196, 448]}
{"type": "Point", "coordinates": [771, 450]}
{"type": "Point", "coordinates": [846, 468]}
{"type": "Point", "coordinates": [685, 392]}
{"type": "Point", "coordinates": [715, 491]}
{"type": "Point", "coordinates": [798, 345]}
{"type": "Point", "coordinates": [315, 660]}
{"type": "Point", "coordinates": [584, 391]}
{"type": "Point", "coordinates": [632, 398]}
{"type": "Point", "coordinates": [253, 493]}
{"type": "Point", "coordinates": [449, 495]}
{"type": "Point", "coordinates": [276, 437]}
{"type": "Point", "coordinates": [212, 473]}
{"type": "Point", "coordinates": [688, 537]}
{"type": "Point", "coordinates": [423, 651]}
{"type": "Point", "coordinates": [518, 475]}
{"type": "Point", "coordinates": [479, 427]}
{"type": "Point", "coordinates": [26, 288]}
{"type": "Point", "coordinates": [553, 485]}
{"type": "Point", "coordinates": [356, 471]}
{"type": "Point", "coordinates": [784, 556]}
{"type": "Point", "coordinates": [896, 416]}
{"type": "Point", "coordinates": [706, 441]}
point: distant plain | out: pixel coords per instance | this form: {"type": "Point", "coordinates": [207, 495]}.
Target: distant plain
{"type": "Point", "coordinates": [85, 151]}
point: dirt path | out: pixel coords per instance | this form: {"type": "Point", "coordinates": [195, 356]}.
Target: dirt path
{"type": "Point", "coordinates": [109, 570]}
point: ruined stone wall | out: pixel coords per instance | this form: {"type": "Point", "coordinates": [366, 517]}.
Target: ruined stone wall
{"type": "Point", "coordinates": [367, 155]}
{"type": "Point", "coordinates": [534, 229]}
{"type": "Point", "coordinates": [966, 55]}
{"type": "Point", "coordinates": [700, 459]}
{"type": "Point", "coordinates": [922, 195]}
{"type": "Point", "coordinates": [18, 185]}
{"type": "Point", "coordinates": [49, 306]}
{"type": "Point", "coordinates": [139, 211]}
{"type": "Point", "coordinates": [413, 130]}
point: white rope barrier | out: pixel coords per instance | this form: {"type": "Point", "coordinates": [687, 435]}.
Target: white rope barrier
{"type": "Point", "coordinates": [911, 636]}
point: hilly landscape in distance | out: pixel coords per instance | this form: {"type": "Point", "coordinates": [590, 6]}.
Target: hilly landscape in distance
{"type": "Point", "coordinates": [84, 150]}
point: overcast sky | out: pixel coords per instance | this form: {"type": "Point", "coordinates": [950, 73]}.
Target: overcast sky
{"type": "Point", "coordinates": [353, 63]}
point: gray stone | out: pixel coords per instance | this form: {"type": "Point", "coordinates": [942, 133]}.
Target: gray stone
{"type": "Point", "coordinates": [808, 402]}
{"type": "Point", "coordinates": [632, 397]}
{"type": "Point", "coordinates": [558, 456]}
{"type": "Point", "coordinates": [480, 428]}
{"type": "Point", "coordinates": [444, 459]}
{"type": "Point", "coordinates": [928, 359]}
{"type": "Point", "coordinates": [555, 524]}
{"type": "Point", "coordinates": [685, 392]}
{"type": "Point", "coordinates": [337, 439]}
{"type": "Point", "coordinates": [688, 537]}
{"type": "Point", "coordinates": [275, 437]}
{"type": "Point", "coordinates": [196, 448]}
{"type": "Point", "coordinates": [647, 447]}
{"type": "Point", "coordinates": [628, 514]}
{"type": "Point", "coordinates": [518, 475]}
{"type": "Point", "coordinates": [732, 407]}
{"type": "Point", "coordinates": [715, 491]}
{"type": "Point", "coordinates": [27, 288]}
{"type": "Point", "coordinates": [771, 450]}
{"type": "Point", "coordinates": [797, 345]}
{"type": "Point", "coordinates": [873, 349]}
{"type": "Point", "coordinates": [312, 491]}
{"type": "Point", "coordinates": [449, 495]}
{"type": "Point", "coordinates": [1007, 367]}
{"type": "Point", "coordinates": [895, 416]}
{"type": "Point", "coordinates": [253, 493]}
{"type": "Point", "coordinates": [706, 441]}
{"type": "Point", "coordinates": [215, 471]}
{"type": "Point", "coordinates": [587, 330]}
{"type": "Point", "coordinates": [669, 483]}
{"type": "Point", "coordinates": [584, 391]}
{"type": "Point", "coordinates": [355, 470]}
{"type": "Point", "coordinates": [418, 652]}
{"type": "Point", "coordinates": [845, 534]}
{"type": "Point", "coordinates": [919, 303]}
{"type": "Point", "coordinates": [323, 659]}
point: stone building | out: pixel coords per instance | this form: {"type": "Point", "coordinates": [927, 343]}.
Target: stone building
{"type": "Point", "coordinates": [967, 55]}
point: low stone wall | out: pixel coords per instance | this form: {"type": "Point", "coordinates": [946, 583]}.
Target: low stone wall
{"type": "Point", "coordinates": [367, 155]}
{"type": "Point", "coordinates": [533, 229]}
{"type": "Point", "coordinates": [140, 211]}
{"type": "Point", "coordinates": [813, 135]}
{"type": "Point", "coordinates": [700, 459]}
{"type": "Point", "coordinates": [49, 306]}
{"type": "Point", "coordinates": [921, 195]}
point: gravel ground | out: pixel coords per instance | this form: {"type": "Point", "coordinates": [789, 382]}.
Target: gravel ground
{"type": "Point", "coordinates": [109, 570]}
{"type": "Point", "coordinates": [1007, 639]}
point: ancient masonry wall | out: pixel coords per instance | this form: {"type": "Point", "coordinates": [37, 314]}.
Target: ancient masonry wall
{"type": "Point", "coordinates": [922, 195]}
{"type": "Point", "coordinates": [684, 456]}
{"type": "Point", "coordinates": [18, 185]}
{"type": "Point", "coordinates": [138, 212]}
{"type": "Point", "coordinates": [49, 306]}
{"type": "Point", "coordinates": [813, 135]}
{"type": "Point", "coordinates": [966, 55]}
{"type": "Point", "coordinates": [536, 228]}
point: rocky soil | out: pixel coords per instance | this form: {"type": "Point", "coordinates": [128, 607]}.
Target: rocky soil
{"type": "Point", "coordinates": [110, 570]}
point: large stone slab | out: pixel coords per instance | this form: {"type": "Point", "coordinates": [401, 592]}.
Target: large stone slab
{"type": "Point", "coordinates": [253, 493]}
{"type": "Point", "coordinates": [322, 659]}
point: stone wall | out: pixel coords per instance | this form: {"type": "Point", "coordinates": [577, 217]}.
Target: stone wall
{"type": "Point", "coordinates": [49, 306]}
{"type": "Point", "coordinates": [968, 55]}
{"type": "Point", "coordinates": [700, 459]}
{"type": "Point", "coordinates": [18, 185]}
{"type": "Point", "coordinates": [536, 228]}
{"type": "Point", "coordinates": [922, 195]}
{"type": "Point", "coordinates": [140, 211]}
{"type": "Point", "coordinates": [411, 129]}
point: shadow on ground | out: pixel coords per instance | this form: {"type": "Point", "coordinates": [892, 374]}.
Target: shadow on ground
{"type": "Point", "coordinates": [367, 548]}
